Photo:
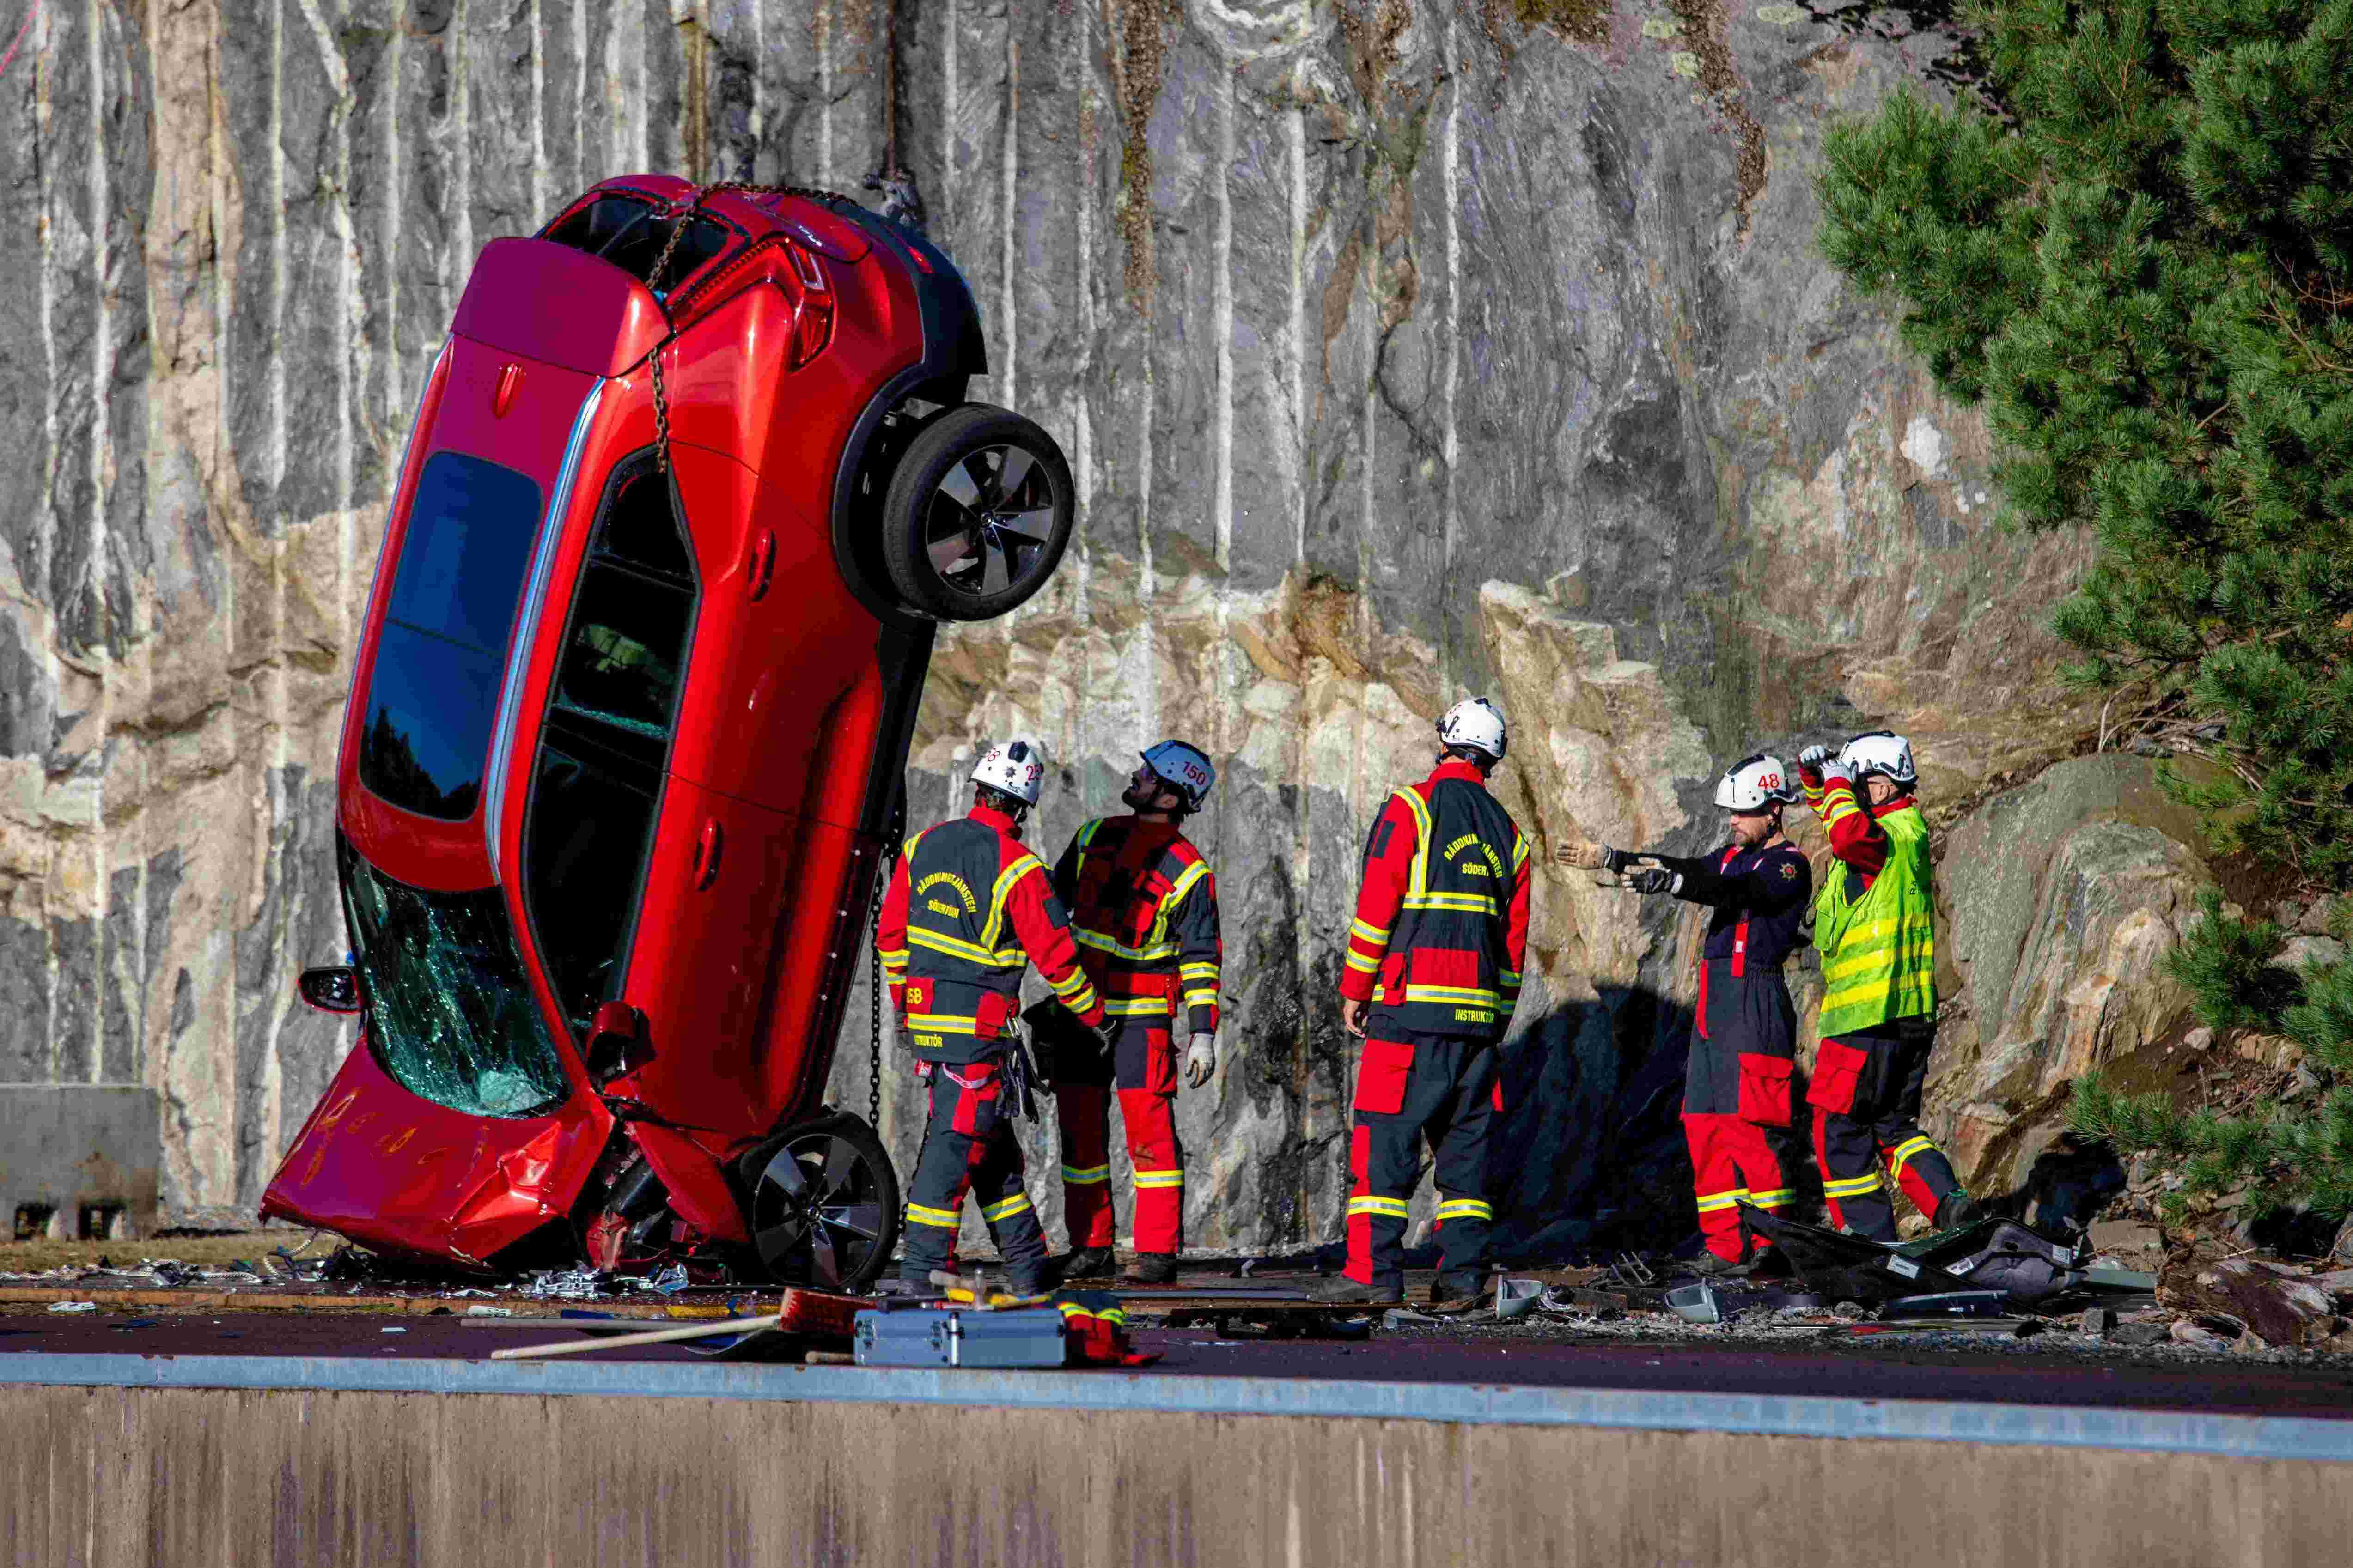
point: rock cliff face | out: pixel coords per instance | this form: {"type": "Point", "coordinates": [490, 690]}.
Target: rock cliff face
{"type": "Point", "coordinates": [1401, 351]}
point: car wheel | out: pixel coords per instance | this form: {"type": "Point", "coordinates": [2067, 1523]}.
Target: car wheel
{"type": "Point", "coordinates": [977, 514]}
{"type": "Point", "coordinates": [825, 1205]}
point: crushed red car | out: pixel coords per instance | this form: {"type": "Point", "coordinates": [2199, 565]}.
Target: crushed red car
{"type": "Point", "coordinates": [628, 727]}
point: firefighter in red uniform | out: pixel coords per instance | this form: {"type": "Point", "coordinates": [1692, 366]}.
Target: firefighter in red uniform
{"type": "Point", "coordinates": [1745, 1031]}
{"type": "Point", "coordinates": [967, 910]}
{"type": "Point", "coordinates": [1435, 950]}
{"type": "Point", "coordinates": [1143, 908]}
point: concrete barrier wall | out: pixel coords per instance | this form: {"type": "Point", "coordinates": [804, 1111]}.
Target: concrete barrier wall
{"type": "Point", "coordinates": [121, 1478]}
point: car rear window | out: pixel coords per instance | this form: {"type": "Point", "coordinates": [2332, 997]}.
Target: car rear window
{"type": "Point", "coordinates": [434, 692]}
{"type": "Point", "coordinates": [630, 233]}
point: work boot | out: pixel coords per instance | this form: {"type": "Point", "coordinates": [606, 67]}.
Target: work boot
{"type": "Point", "coordinates": [1150, 1269]}
{"type": "Point", "coordinates": [1708, 1265]}
{"type": "Point", "coordinates": [1956, 1209]}
{"type": "Point", "coordinates": [1084, 1263]}
{"type": "Point", "coordinates": [1457, 1293]}
{"type": "Point", "coordinates": [1347, 1292]}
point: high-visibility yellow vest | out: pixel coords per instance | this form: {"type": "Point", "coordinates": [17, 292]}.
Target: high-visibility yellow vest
{"type": "Point", "coordinates": [1879, 951]}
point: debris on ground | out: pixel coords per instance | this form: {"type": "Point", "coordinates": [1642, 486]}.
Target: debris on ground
{"type": "Point", "coordinates": [568, 1285]}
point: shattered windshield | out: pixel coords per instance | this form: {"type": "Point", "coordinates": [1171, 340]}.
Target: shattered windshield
{"type": "Point", "coordinates": [449, 1010]}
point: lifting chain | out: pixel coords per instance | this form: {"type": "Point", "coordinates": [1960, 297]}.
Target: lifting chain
{"type": "Point", "coordinates": [874, 1006]}
{"type": "Point", "coordinates": [680, 212]}
{"type": "Point", "coordinates": [882, 870]}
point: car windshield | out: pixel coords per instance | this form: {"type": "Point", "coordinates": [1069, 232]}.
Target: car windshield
{"type": "Point", "coordinates": [434, 692]}
{"type": "Point", "coordinates": [449, 1010]}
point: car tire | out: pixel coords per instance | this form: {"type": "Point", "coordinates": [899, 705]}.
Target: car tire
{"type": "Point", "coordinates": [860, 1240]}
{"type": "Point", "coordinates": [977, 514]}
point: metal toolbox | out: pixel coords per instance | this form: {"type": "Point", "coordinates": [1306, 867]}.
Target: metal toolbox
{"type": "Point", "coordinates": [933, 1335]}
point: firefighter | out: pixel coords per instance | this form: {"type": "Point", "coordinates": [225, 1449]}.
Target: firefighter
{"type": "Point", "coordinates": [1874, 921]}
{"type": "Point", "coordinates": [1143, 909]}
{"type": "Point", "coordinates": [967, 910]}
{"type": "Point", "coordinates": [1432, 975]}
{"type": "Point", "coordinates": [1744, 1029]}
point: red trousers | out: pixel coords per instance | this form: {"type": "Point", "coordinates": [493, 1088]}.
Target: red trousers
{"type": "Point", "coordinates": [1084, 1112]}
{"type": "Point", "coordinates": [1733, 1160]}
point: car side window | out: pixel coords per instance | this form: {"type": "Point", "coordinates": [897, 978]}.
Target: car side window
{"type": "Point", "coordinates": [597, 782]}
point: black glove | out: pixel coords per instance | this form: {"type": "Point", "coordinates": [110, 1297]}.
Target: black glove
{"type": "Point", "coordinates": [1654, 879]}
{"type": "Point", "coordinates": [1615, 861]}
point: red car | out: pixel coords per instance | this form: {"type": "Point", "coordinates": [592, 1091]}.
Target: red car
{"type": "Point", "coordinates": [627, 726]}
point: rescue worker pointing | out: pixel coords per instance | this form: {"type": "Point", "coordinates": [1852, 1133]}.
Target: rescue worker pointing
{"type": "Point", "coordinates": [1744, 1029]}
{"type": "Point", "coordinates": [967, 910]}
{"type": "Point", "coordinates": [1874, 921]}
{"type": "Point", "coordinates": [1432, 975]}
{"type": "Point", "coordinates": [1143, 909]}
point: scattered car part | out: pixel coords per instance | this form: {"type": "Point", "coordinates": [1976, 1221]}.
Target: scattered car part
{"type": "Point", "coordinates": [1513, 1298]}
{"type": "Point", "coordinates": [1695, 1303]}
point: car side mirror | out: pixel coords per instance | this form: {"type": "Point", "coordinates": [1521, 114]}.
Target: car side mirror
{"type": "Point", "coordinates": [615, 1042]}
{"type": "Point", "coordinates": [334, 988]}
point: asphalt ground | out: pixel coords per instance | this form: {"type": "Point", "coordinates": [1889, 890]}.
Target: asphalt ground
{"type": "Point", "coordinates": [1942, 1366]}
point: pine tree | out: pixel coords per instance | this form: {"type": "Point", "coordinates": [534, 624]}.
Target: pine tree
{"type": "Point", "coordinates": [2135, 253]}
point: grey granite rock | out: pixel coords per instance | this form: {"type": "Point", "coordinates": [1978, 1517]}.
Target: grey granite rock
{"type": "Point", "coordinates": [1399, 350]}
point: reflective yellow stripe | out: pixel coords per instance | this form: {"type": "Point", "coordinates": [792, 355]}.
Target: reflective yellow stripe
{"type": "Point", "coordinates": [1902, 1153]}
{"type": "Point", "coordinates": [1391, 1208]}
{"type": "Point", "coordinates": [1207, 971]}
{"type": "Point", "coordinates": [938, 1219]}
{"type": "Point", "coordinates": [1461, 903]}
{"type": "Point", "coordinates": [1135, 1006]}
{"type": "Point", "coordinates": [1107, 1314]}
{"type": "Point", "coordinates": [997, 894]}
{"type": "Point", "coordinates": [1082, 1000]}
{"type": "Point", "coordinates": [897, 954]}
{"type": "Point", "coordinates": [1102, 943]}
{"type": "Point", "coordinates": [1511, 979]}
{"type": "Point", "coordinates": [1467, 994]}
{"type": "Point", "coordinates": [1358, 962]}
{"type": "Point", "coordinates": [1076, 980]}
{"type": "Point", "coordinates": [1853, 1187]}
{"type": "Point", "coordinates": [1373, 934]}
{"type": "Point", "coordinates": [1086, 1176]}
{"type": "Point", "coordinates": [1917, 988]}
{"type": "Point", "coordinates": [1711, 1202]}
{"type": "Point", "coordinates": [1159, 1178]}
{"type": "Point", "coordinates": [1184, 885]}
{"type": "Point", "coordinates": [1466, 1208]}
{"type": "Point", "coordinates": [1773, 1199]}
{"type": "Point", "coordinates": [957, 947]}
{"type": "Point", "coordinates": [950, 1023]}
{"type": "Point", "coordinates": [1418, 879]}
{"type": "Point", "coordinates": [1519, 853]}
{"type": "Point", "coordinates": [1200, 998]}
{"type": "Point", "coordinates": [1006, 1209]}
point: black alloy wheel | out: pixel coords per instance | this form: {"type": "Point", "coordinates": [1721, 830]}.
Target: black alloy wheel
{"type": "Point", "coordinates": [825, 1205]}
{"type": "Point", "coordinates": [977, 515]}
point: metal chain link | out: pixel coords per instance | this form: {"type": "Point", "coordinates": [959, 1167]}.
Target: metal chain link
{"type": "Point", "coordinates": [874, 1010]}
{"type": "Point", "coordinates": [681, 211]}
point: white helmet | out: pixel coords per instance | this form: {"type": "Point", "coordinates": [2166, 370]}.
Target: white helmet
{"type": "Point", "coordinates": [1183, 769]}
{"type": "Point", "coordinates": [1752, 782]}
{"type": "Point", "coordinates": [1012, 767]}
{"type": "Point", "coordinates": [1879, 752]}
{"type": "Point", "coordinates": [1477, 723]}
